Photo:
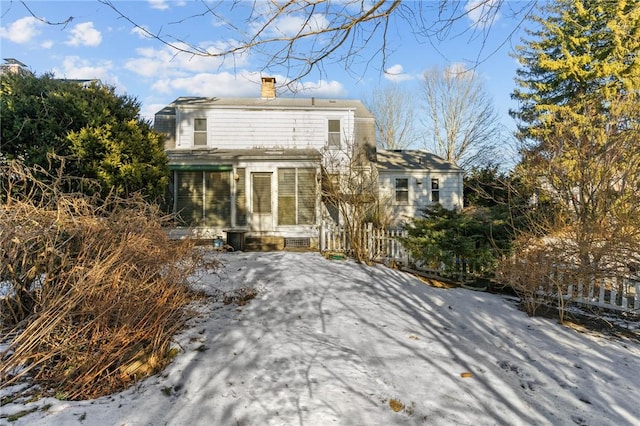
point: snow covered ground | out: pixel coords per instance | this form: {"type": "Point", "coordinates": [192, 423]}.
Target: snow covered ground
{"type": "Point", "coordinates": [335, 342]}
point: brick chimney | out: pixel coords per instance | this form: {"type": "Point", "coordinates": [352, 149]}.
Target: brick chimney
{"type": "Point", "coordinates": [268, 87]}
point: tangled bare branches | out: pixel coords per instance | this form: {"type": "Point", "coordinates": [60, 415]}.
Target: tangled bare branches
{"type": "Point", "coordinates": [91, 291]}
{"type": "Point", "coordinates": [302, 35]}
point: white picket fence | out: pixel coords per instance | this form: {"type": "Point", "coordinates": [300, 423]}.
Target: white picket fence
{"type": "Point", "coordinates": [382, 244]}
{"type": "Point", "coordinates": [620, 293]}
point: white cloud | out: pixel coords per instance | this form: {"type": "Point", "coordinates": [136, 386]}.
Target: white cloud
{"type": "Point", "coordinates": [459, 70]}
{"type": "Point", "coordinates": [141, 32]}
{"type": "Point", "coordinates": [158, 4]}
{"type": "Point", "coordinates": [206, 84]}
{"type": "Point", "coordinates": [21, 30]}
{"type": "Point", "coordinates": [74, 67]}
{"type": "Point", "coordinates": [47, 44]}
{"type": "Point", "coordinates": [165, 62]}
{"type": "Point", "coordinates": [483, 13]}
{"type": "Point", "coordinates": [396, 74]}
{"type": "Point", "coordinates": [321, 89]}
{"type": "Point", "coordinates": [164, 4]}
{"type": "Point", "coordinates": [241, 84]}
{"type": "Point", "coordinates": [148, 111]}
{"type": "Point", "coordinates": [84, 34]}
{"type": "Point", "coordinates": [289, 25]}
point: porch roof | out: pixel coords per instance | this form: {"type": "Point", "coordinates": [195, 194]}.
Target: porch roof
{"type": "Point", "coordinates": [214, 159]}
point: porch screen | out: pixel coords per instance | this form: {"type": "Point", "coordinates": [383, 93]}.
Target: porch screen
{"type": "Point", "coordinates": [296, 196]}
{"type": "Point", "coordinates": [203, 198]}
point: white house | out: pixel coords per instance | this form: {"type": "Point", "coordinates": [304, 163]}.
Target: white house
{"type": "Point", "coordinates": [253, 165]}
{"type": "Point", "coordinates": [411, 180]}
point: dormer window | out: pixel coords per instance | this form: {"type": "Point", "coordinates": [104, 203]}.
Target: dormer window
{"type": "Point", "coordinates": [199, 132]}
{"type": "Point", "coordinates": [333, 140]}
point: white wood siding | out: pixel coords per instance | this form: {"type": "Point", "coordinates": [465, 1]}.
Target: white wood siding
{"type": "Point", "coordinates": [450, 187]}
{"type": "Point", "coordinates": [242, 128]}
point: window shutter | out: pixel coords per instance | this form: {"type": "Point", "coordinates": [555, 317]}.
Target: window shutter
{"type": "Point", "coordinates": [189, 197]}
{"type": "Point", "coordinates": [306, 196]}
{"type": "Point", "coordinates": [241, 198]}
{"type": "Point", "coordinates": [217, 198]}
{"type": "Point", "coordinates": [286, 196]}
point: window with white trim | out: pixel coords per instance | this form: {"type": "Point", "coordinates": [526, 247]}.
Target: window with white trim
{"type": "Point", "coordinates": [199, 132]}
{"type": "Point", "coordinates": [333, 134]}
{"type": "Point", "coordinates": [402, 190]}
{"type": "Point", "coordinates": [296, 196]}
{"type": "Point", "coordinates": [435, 190]}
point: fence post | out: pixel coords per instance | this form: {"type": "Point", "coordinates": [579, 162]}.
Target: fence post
{"type": "Point", "coordinates": [592, 285]}
{"type": "Point", "coordinates": [603, 284]}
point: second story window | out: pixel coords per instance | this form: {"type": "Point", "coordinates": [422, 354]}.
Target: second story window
{"type": "Point", "coordinates": [199, 132]}
{"type": "Point", "coordinates": [402, 190]}
{"type": "Point", "coordinates": [333, 140]}
{"type": "Point", "coordinates": [435, 190]}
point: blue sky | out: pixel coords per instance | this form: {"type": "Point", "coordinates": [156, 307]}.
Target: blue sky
{"type": "Point", "coordinates": [97, 43]}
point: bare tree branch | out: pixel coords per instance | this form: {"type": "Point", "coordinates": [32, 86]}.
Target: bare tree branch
{"type": "Point", "coordinates": [462, 125]}
{"type": "Point", "coordinates": [339, 31]}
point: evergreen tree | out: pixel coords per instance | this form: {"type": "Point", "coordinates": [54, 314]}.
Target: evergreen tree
{"type": "Point", "coordinates": [583, 56]}
{"type": "Point", "coordinates": [98, 134]}
{"type": "Point", "coordinates": [579, 116]}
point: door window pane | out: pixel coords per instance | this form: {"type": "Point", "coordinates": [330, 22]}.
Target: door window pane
{"type": "Point", "coordinates": [261, 192]}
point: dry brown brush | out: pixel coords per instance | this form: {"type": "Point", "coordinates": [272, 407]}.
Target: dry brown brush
{"type": "Point", "coordinates": [93, 289]}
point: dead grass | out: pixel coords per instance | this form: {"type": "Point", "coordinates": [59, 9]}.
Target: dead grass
{"type": "Point", "coordinates": [97, 288]}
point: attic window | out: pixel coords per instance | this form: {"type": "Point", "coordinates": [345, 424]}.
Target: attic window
{"type": "Point", "coordinates": [199, 132]}
{"type": "Point", "coordinates": [333, 140]}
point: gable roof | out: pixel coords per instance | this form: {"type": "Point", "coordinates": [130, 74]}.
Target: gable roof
{"type": "Point", "coordinates": [267, 103]}
{"type": "Point", "coordinates": [412, 159]}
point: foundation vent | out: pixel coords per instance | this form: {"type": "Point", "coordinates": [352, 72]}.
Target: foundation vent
{"type": "Point", "coordinates": [297, 242]}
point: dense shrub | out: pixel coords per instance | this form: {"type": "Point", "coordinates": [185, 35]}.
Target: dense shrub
{"type": "Point", "coordinates": [93, 288]}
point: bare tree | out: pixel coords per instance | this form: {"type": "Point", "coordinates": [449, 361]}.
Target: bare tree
{"type": "Point", "coordinates": [300, 36]}
{"type": "Point", "coordinates": [394, 109]}
{"type": "Point", "coordinates": [350, 195]}
{"type": "Point", "coordinates": [461, 123]}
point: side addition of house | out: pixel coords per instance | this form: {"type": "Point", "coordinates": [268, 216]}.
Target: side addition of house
{"type": "Point", "coordinates": [253, 165]}
{"type": "Point", "coordinates": [411, 180]}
